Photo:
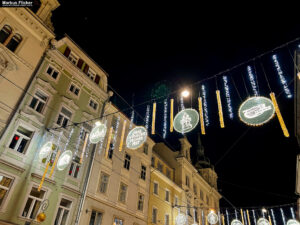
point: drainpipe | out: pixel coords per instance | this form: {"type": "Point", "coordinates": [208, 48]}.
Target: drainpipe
{"type": "Point", "coordinates": [90, 166]}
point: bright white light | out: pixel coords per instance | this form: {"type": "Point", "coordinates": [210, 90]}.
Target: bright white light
{"type": "Point", "coordinates": [131, 119]}
{"type": "Point", "coordinates": [205, 105]}
{"type": "Point", "coordinates": [181, 103]}
{"type": "Point", "coordinates": [252, 80]}
{"type": "Point", "coordinates": [116, 132]}
{"type": "Point", "coordinates": [283, 216]}
{"type": "Point", "coordinates": [292, 212]}
{"type": "Point", "coordinates": [254, 217]}
{"type": "Point", "coordinates": [273, 217]}
{"type": "Point", "coordinates": [281, 77]}
{"type": "Point", "coordinates": [101, 141]}
{"type": "Point", "coordinates": [165, 118]}
{"type": "Point", "coordinates": [147, 117]}
{"type": "Point", "coordinates": [228, 98]}
{"type": "Point", "coordinates": [185, 93]}
{"type": "Point", "coordinates": [98, 123]}
{"type": "Point", "coordinates": [264, 210]}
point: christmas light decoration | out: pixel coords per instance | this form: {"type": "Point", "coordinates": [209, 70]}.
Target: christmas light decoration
{"type": "Point", "coordinates": [254, 217]}
{"type": "Point", "coordinates": [165, 118]}
{"type": "Point", "coordinates": [84, 148]}
{"type": "Point", "coordinates": [202, 125]}
{"type": "Point", "coordinates": [147, 117]}
{"type": "Point", "coordinates": [68, 140]}
{"type": "Point", "coordinates": [281, 77]}
{"type": "Point", "coordinates": [278, 113]}
{"type": "Point", "coordinates": [171, 114]}
{"type": "Point", "coordinates": [263, 221]}
{"type": "Point", "coordinates": [108, 142]}
{"type": "Point", "coordinates": [242, 216]}
{"type": "Point", "coordinates": [54, 163]}
{"type": "Point", "coordinates": [298, 75]}
{"type": "Point", "coordinates": [292, 222]}
{"type": "Point", "coordinates": [116, 132]}
{"type": "Point", "coordinates": [252, 80]}
{"type": "Point", "coordinates": [186, 120]}
{"type": "Point", "coordinates": [212, 217]}
{"type": "Point", "coordinates": [136, 137]}
{"type": "Point", "coordinates": [220, 109]}
{"type": "Point", "coordinates": [223, 220]}
{"type": "Point", "coordinates": [228, 97]}
{"type": "Point", "coordinates": [87, 149]}
{"type": "Point", "coordinates": [122, 136]}
{"type": "Point", "coordinates": [273, 217]}
{"type": "Point", "coordinates": [131, 119]}
{"type": "Point", "coordinates": [180, 219]}
{"type": "Point", "coordinates": [245, 217]}
{"type": "Point", "coordinates": [205, 105]}
{"type": "Point", "coordinates": [181, 103]}
{"type": "Point", "coordinates": [98, 133]}
{"type": "Point", "coordinates": [282, 216]}
{"type": "Point", "coordinates": [236, 222]}
{"type": "Point", "coordinates": [153, 118]}
{"type": "Point", "coordinates": [78, 142]}
{"type": "Point", "coordinates": [46, 150]}
{"type": "Point", "coordinates": [235, 213]}
{"type": "Point", "coordinates": [44, 176]}
{"type": "Point", "coordinates": [270, 221]}
{"type": "Point", "coordinates": [227, 217]}
{"type": "Point", "coordinates": [292, 212]}
{"type": "Point", "coordinates": [219, 218]}
{"type": "Point", "coordinates": [64, 160]}
{"type": "Point", "coordinates": [248, 217]}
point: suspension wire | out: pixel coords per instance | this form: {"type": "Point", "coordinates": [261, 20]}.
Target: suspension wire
{"type": "Point", "coordinates": [245, 86]}
{"type": "Point", "coordinates": [233, 82]}
{"type": "Point", "coordinates": [255, 71]}
{"type": "Point", "coordinates": [263, 69]}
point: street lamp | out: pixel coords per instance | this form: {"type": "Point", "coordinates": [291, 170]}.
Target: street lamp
{"type": "Point", "coordinates": [185, 93]}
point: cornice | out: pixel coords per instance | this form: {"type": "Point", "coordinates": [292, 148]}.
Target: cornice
{"type": "Point", "coordinates": [166, 179]}
{"type": "Point", "coordinates": [35, 175]}
{"type": "Point", "coordinates": [46, 85]}
{"type": "Point", "coordinates": [18, 168]}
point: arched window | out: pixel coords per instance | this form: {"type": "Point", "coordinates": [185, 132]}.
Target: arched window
{"type": "Point", "coordinates": [4, 33]}
{"type": "Point", "coordinates": [14, 42]}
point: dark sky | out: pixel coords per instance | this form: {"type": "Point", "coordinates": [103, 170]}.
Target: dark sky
{"type": "Point", "coordinates": [140, 45]}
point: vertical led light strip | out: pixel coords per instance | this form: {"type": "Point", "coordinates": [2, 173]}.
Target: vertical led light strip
{"type": "Point", "coordinates": [165, 118]}
{"type": "Point", "coordinates": [292, 213]}
{"type": "Point", "coordinates": [54, 164]}
{"type": "Point", "coordinates": [78, 142]}
{"type": "Point", "coordinates": [153, 118]}
{"type": "Point", "coordinates": [273, 217]}
{"type": "Point", "coordinates": [84, 148]}
{"type": "Point", "coordinates": [116, 132]}
{"type": "Point", "coordinates": [281, 77]}
{"type": "Point", "coordinates": [44, 175]}
{"type": "Point", "coordinates": [108, 142]}
{"type": "Point", "coordinates": [131, 119]}
{"type": "Point", "coordinates": [171, 114]}
{"type": "Point", "coordinates": [228, 97]}
{"type": "Point", "coordinates": [245, 218]}
{"type": "Point", "coordinates": [223, 220]}
{"type": "Point", "coordinates": [220, 110]}
{"type": "Point", "coordinates": [279, 116]}
{"type": "Point", "coordinates": [67, 143]}
{"type": "Point", "coordinates": [204, 94]}
{"type": "Point", "coordinates": [254, 217]}
{"type": "Point", "coordinates": [283, 216]}
{"type": "Point", "coordinates": [147, 117]}
{"type": "Point", "coordinates": [202, 126]}
{"type": "Point", "coordinates": [242, 217]}
{"type": "Point", "coordinates": [252, 80]}
{"type": "Point", "coordinates": [270, 221]}
{"type": "Point", "coordinates": [122, 136]}
{"type": "Point", "coordinates": [101, 141]}
{"type": "Point", "coordinates": [248, 217]}
{"type": "Point", "coordinates": [182, 103]}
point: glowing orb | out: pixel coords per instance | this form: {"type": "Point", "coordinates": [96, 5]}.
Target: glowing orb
{"type": "Point", "coordinates": [136, 137]}
{"type": "Point", "coordinates": [46, 150]}
{"type": "Point", "coordinates": [64, 160]}
{"type": "Point", "coordinates": [186, 120]}
{"type": "Point", "coordinates": [292, 222]}
{"type": "Point", "coordinates": [263, 221]}
{"type": "Point", "coordinates": [212, 217]}
{"type": "Point", "coordinates": [236, 222]}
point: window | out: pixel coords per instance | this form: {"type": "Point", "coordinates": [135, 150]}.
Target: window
{"type": "Point", "coordinates": [187, 181]}
{"type": "Point", "coordinates": [140, 202]}
{"type": "Point", "coordinates": [201, 195]}
{"type": "Point", "coordinates": [155, 188]}
{"type": "Point", "coordinates": [127, 161]}
{"type": "Point", "coordinates": [73, 58]}
{"type": "Point", "coordinates": [152, 161]}
{"type": "Point", "coordinates": [195, 189]}
{"type": "Point", "coordinates": [122, 192]}
{"type": "Point", "coordinates": [96, 218]}
{"type": "Point", "coordinates": [188, 205]}
{"type": "Point", "coordinates": [93, 104]}
{"type": "Point", "coordinates": [63, 212]}
{"type": "Point", "coordinates": [207, 200]}
{"type": "Point", "coordinates": [4, 33]}
{"type": "Point", "coordinates": [154, 215]}
{"type": "Point", "coordinates": [74, 89]}
{"type": "Point", "coordinates": [111, 150]}
{"type": "Point", "coordinates": [167, 196]}
{"type": "Point", "coordinates": [175, 200]}
{"type": "Point", "coordinates": [52, 72]}
{"type": "Point", "coordinates": [14, 42]}
{"type": "Point", "coordinates": [63, 117]}
{"type": "Point", "coordinates": [91, 74]}
{"type": "Point", "coordinates": [21, 139]}
{"type": "Point", "coordinates": [74, 169]}
{"type": "Point", "coordinates": [103, 182]}
{"type": "Point", "coordinates": [159, 166]}
{"type": "Point", "coordinates": [38, 101]}
{"type": "Point", "coordinates": [143, 172]}
{"type": "Point", "coordinates": [145, 149]}
{"type": "Point", "coordinates": [33, 203]}
{"type": "Point", "coordinates": [167, 219]}
{"type": "Point", "coordinates": [168, 173]}
{"type": "Point", "coordinates": [86, 129]}
{"type": "Point", "coordinates": [118, 221]}
{"type": "Point", "coordinates": [5, 185]}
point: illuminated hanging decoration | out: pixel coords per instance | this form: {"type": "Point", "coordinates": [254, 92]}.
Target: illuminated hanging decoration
{"type": "Point", "coordinates": [252, 80]}
{"type": "Point", "coordinates": [87, 149]}
{"type": "Point", "coordinates": [270, 221]}
{"type": "Point", "coordinates": [256, 111]}
{"type": "Point", "coordinates": [46, 151]}
{"type": "Point", "coordinates": [220, 110]}
{"type": "Point", "coordinates": [84, 147]}
{"type": "Point", "coordinates": [131, 119]}
{"type": "Point", "coordinates": [171, 114]}
{"type": "Point", "coordinates": [122, 136]}
{"type": "Point", "coordinates": [278, 113]}
{"type": "Point", "coordinates": [245, 218]}
{"type": "Point", "coordinates": [281, 77]}
{"type": "Point", "coordinates": [254, 217]}
{"type": "Point", "coordinates": [44, 176]}
{"type": "Point", "coordinates": [182, 103]}
{"type": "Point", "coordinates": [64, 160]}
{"type": "Point", "coordinates": [202, 125]}
{"type": "Point", "coordinates": [180, 219]}
{"type": "Point", "coordinates": [108, 141]}
{"type": "Point", "coordinates": [116, 132]}
{"type": "Point", "coordinates": [68, 140]}
{"type": "Point", "coordinates": [153, 118]}
{"type": "Point", "coordinates": [102, 140]}
{"type": "Point", "coordinates": [282, 216]}
{"type": "Point", "coordinates": [228, 97]}
{"type": "Point", "coordinates": [236, 222]}
{"type": "Point", "coordinates": [136, 137]}
{"type": "Point", "coordinates": [147, 117]}
{"type": "Point", "coordinates": [54, 163]}
{"type": "Point", "coordinates": [292, 222]}
{"type": "Point", "coordinates": [227, 217]}
{"type": "Point", "coordinates": [248, 217]}
{"type": "Point", "coordinates": [78, 142]}
{"type": "Point", "coordinates": [298, 75]}
{"type": "Point", "coordinates": [219, 217]}
{"type": "Point", "coordinates": [273, 217]}
{"type": "Point", "coordinates": [165, 118]}
{"type": "Point", "coordinates": [263, 221]}
{"type": "Point", "coordinates": [242, 217]}
{"type": "Point", "coordinates": [292, 212]}
{"type": "Point", "coordinates": [223, 220]}
{"type": "Point", "coordinates": [98, 132]}
{"type": "Point", "coordinates": [212, 217]}
{"type": "Point", "coordinates": [205, 107]}
{"type": "Point", "coordinates": [186, 120]}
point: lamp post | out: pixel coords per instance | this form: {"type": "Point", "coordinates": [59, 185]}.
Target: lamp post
{"type": "Point", "coordinates": [90, 165]}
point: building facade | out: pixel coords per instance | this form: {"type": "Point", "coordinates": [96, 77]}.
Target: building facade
{"type": "Point", "coordinates": [67, 89]}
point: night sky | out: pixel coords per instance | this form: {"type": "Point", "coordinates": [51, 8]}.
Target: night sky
{"type": "Point", "coordinates": [140, 45]}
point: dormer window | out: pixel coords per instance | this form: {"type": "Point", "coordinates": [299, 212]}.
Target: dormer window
{"type": "Point", "coordinates": [4, 33]}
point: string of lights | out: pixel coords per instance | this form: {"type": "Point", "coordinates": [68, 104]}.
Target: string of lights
{"type": "Point", "coordinates": [228, 97]}
{"type": "Point", "coordinates": [252, 80]}
{"type": "Point", "coordinates": [205, 107]}
{"type": "Point", "coordinates": [165, 125]}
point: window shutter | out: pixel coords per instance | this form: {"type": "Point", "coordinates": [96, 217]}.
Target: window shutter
{"type": "Point", "coordinates": [86, 68]}
{"type": "Point", "coordinates": [80, 63]}
{"type": "Point", "coordinates": [67, 52]}
{"type": "Point", "coordinates": [97, 79]}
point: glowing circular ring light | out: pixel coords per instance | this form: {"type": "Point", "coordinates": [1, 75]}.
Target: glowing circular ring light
{"type": "Point", "coordinates": [263, 221]}
{"type": "Point", "coordinates": [186, 120]}
{"type": "Point", "coordinates": [256, 111]}
{"type": "Point", "coordinates": [98, 133]}
{"type": "Point", "coordinates": [292, 222]}
{"type": "Point", "coordinates": [136, 137]}
{"type": "Point", "coordinates": [180, 219]}
{"type": "Point", "coordinates": [212, 217]}
{"type": "Point", "coordinates": [236, 222]}
{"type": "Point", "coordinates": [46, 150]}
{"type": "Point", "coordinates": [64, 160]}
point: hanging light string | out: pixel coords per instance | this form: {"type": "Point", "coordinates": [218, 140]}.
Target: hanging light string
{"type": "Point", "coordinates": [273, 217]}
{"type": "Point", "coordinates": [123, 135]}
{"type": "Point", "coordinates": [254, 216]}
{"type": "Point", "coordinates": [227, 217]}
{"type": "Point", "coordinates": [147, 117]}
{"type": "Point", "coordinates": [68, 140]}
{"type": "Point", "coordinates": [116, 132]}
{"type": "Point", "coordinates": [252, 80]}
{"type": "Point", "coordinates": [200, 105]}
{"type": "Point", "coordinates": [282, 216]}
{"type": "Point", "coordinates": [102, 140]}
{"type": "Point", "coordinates": [165, 125]}
{"type": "Point", "coordinates": [292, 212]}
{"type": "Point", "coordinates": [153, 118]}
{"type": "Point", "coordinates": [171, 114]}
{"type": "Point", "coordinates": [245, 86]}
{"type": "Point", "coordinates": [228, 97]}
{"type": "Point", "coordinates": [204, 94]}
{"type": "Point", "coordinates": [78, 142]}
{"type": "Point", "coordinates": [181, 103]}
{"type": "Point", "coordinates": [219, 102]}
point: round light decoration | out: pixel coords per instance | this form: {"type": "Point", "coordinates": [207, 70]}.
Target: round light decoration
{"type": "Point", "coordinates": [98, 133]}
{"type": "Point", "coordinates": [212, 217]}
{"type": "Point", "coordinates": [41, 217]}
{"type": "Point", "coordinates": [64, 160]}
{"type": "Point", "coordinates": [236, 222]}
{"type": "Point", "coordinates": [292, 222]}
{"type": "Point", "coordinates": [46, 150]}
{"type": "Point", "coordinates": [136, 137]}
{"type": "Point", "coordinates": [256, 111]}
{"type": "Point", "coordinates": [263, 221]}
{"type": "Point", "coordinates": [180, 219]}
{"type": "Point", "coordinates": [186, 120]}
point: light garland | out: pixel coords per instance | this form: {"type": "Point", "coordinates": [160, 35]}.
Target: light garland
{"type": "Point", "coordinates": [165, 118]}
{"type": "Point", "coordinates": [116, 132]}
{"type": "Point", "coordinates": [182, 103]}
{"type": "Point", "coordinates": [273, 217]}
{"type": "Point", "coordinates": [270, 221]}
{"type": "Point", "coordinates": [252, 80]}
{"type": "Point", "coordinates": [122, 136]}
{"type": "Point", "coordinates": [282, 216]}
{"type": "Point", "coordinates": [245, 217]}
{"type": "Point", "coordinates": [228, 97]}
{"type": "Point", "coordinates": [248, 217]}
{"type": "Point", "coordinates": [205, 105]}
{"type": "Point", "coordinates": [68, 140]}
{"type": "Point", "coordinates": [44, 176]}
{"type": "Point", "coordinates": [87, 149]}
{"type": "Point", "coordinates": [54, 164]}
{"type": "Point", "coordinates": [281, 77]}
{"type": "Point", "coordinates": [108, 142]}
{"type": "Point", "coordinates": [223, 220]}
{"type": "Point", "coordinates": [220, 109]}
{"type": "Point", "coordinates": [227, 217]}
{"type": "Point", "coordinates": [153, 118]}
{"type": "Point", "coordinates": [202, 125]}
{"type": "Point", "coordinates": [220, 219]}
{"type": "Point", "coordinates": [292, 213]}
{"type": "Point", "coordinates": [171, 114]}
{"type": "Point", "coordinates": [131, 119]}
{"type": "Point", "coordinates": [242, 217]}
{"type": "Point", "coordinates": [147, 117]}
{"type": "Point", "coordinates": [102, 141]}
{"type": "Point", "coordinates": [84, 148]}
{"type": "Point", "coordinates": [78, 142]}
{"type": "Point", "coordinates": [254, 217]}
{"type": "Point", "coordinates": [279, 116]}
